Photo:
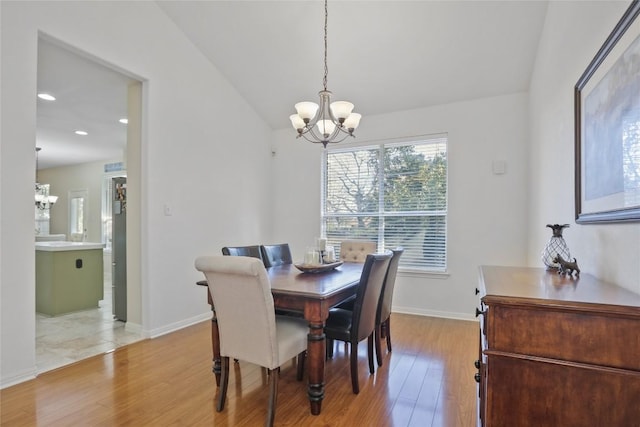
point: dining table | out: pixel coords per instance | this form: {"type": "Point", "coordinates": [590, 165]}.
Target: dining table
{"type": "Point", "coordinates": [311, 294]}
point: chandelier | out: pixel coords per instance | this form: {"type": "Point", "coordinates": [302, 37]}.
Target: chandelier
{"type": "Point", "coordinates": [43, 200]}
{"type": "Point", "coordinates": [329, 122]}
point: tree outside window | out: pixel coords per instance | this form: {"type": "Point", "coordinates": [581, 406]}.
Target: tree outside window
{"type": "Point", "coordinates": [394, 194]}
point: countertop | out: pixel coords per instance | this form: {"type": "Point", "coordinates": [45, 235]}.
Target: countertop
{"type": "Point", "coordinates": [67, 246]}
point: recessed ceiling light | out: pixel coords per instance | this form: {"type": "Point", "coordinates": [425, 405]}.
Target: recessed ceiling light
{"type": "Point", "coordinates": [46, 97]}
{"type": "Point", "coordinates": [124, 121]}
{"type": "Point", "coordinates": [81, 132]}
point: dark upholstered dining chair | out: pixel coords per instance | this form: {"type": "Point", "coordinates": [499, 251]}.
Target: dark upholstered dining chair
{"type": "Point", "coordinates": [254, 334]}
{"type": "Point", "coordinates": [383, 316]}
{"type": "Point", "coordinates": [273, 255]}
{"type": "Point", "coordinates": [251, 251]}
{"type": "Point", "coordinates": [353, 326]}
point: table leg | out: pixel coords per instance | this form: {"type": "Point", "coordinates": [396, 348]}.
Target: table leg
{"type": "Point", "coordinates": [316, 356]}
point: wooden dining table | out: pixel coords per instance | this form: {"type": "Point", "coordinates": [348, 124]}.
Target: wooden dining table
{"type": "Point", "coordinates": [312, 295]}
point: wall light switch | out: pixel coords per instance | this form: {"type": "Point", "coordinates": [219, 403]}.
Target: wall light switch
{"type": "Point", "coordinates": [167, 210]}
{"type": "Point", "coordinates": [499, 167]}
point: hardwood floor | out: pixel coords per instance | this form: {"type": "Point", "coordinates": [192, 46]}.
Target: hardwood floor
{"type": "Point", "coordinates": [426, 381]}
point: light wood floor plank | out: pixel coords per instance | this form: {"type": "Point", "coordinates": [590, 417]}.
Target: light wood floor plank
{"type": "Point", "coordinates": [426, 381]}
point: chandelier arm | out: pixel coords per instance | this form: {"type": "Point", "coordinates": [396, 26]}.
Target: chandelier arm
{"type": "Point", "coordinates": [334, 119]}
{"type": "Point", "coordinates": [312, 136]}
{"type": "Point", "coordinates": [308, 128]}
{"type": "Point", "coordinates": [325, 96]}
{"type": "Point", "coordinates": [316, 137]}
{"type": "Point", "coordinates": [313, 122]}
{"type": "Point", "coordinates": [337, 131]}
{"type": "Point", "coordinates": [312, 140]}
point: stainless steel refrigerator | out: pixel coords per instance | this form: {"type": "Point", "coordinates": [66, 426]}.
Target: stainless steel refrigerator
{"type": "Point", "coordinates": [119, 248]}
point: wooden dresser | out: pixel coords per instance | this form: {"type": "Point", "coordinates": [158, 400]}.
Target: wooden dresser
{"type": "Point", "coordinates": [557, 351]}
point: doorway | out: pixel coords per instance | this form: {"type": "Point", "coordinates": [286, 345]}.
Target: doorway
{"type": "Point", "coordinates": [91, 97]}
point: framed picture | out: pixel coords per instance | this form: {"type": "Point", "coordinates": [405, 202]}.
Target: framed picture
{"type": "Point", "coordinates": [607, 128]}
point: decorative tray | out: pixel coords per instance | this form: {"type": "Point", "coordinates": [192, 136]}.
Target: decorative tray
{"type": "Point", "coordinates": [317, 268]}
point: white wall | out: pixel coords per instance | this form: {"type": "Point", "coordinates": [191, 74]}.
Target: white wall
{"type": "Point", "coordinates": [610, 252]}
{"type": "Point", "coordinates": [487, 213]}
{"type": "Point", "coordinates": [193, 149]}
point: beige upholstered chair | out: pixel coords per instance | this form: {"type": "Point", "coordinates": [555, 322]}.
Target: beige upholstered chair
{"type": "Point", "coordinates": [253, 333]}
{"type": "Point", "coordinates": [356, 250]}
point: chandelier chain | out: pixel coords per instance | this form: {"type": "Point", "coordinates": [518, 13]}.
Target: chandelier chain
{"type": "Point", "coordinates": [329, 121]}
{"type": "Point", "coordinates": [326, 67]}
{"type": "Point", "coordinates": [37, 151]}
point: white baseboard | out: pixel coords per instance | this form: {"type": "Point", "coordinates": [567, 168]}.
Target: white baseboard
{"type": "Point", "coordinates": [167, 329]}
{"type": "Point", "coordinates": [435, 313]}
{"type": "Point", "coordinates": [18, 378]}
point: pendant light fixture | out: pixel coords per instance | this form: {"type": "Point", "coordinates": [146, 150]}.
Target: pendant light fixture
{"type": "Point", "coordinates": [43, 200]}
{"type": "Point", "coordinates": [329, 122]}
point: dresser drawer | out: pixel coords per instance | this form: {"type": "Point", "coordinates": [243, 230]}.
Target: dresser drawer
{"type": "Point", "coordinates": [579, 336]}
{"type": "Point", "coordinates": [527, 392]}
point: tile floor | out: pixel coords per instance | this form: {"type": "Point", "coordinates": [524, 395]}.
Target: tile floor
{"type": "Point", "coordinates": [62, 340]}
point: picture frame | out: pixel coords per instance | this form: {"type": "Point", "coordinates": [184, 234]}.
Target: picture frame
{"type": "Point", "coordinates": [607, 128]}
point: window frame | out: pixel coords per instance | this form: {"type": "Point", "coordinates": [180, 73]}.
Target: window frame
{"type": "Point", "coordinates": [380, 146]}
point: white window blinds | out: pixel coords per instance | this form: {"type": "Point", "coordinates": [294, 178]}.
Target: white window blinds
{"type": "Point", "coordinates": [394, 194]}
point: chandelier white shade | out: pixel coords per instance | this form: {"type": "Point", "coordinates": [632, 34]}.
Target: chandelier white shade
{"type": "Point", "coordinates": [43, 200]}
{"type": "Point", "coordinates": [328, 122]}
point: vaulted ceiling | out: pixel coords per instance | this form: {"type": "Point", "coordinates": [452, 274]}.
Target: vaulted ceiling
{"type": "Point", "coordinates": [383, 56]}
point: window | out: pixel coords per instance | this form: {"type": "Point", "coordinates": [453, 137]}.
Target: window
{"type": "Point", "coordinates": [391, 193]}
{"type": "Point", "coordinates": [78, 205]}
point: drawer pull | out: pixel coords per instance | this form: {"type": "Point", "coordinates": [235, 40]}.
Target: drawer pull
{"type": "Point", "coordinates": [477, 364]}
{"type": "Point", "coordinates": [477, 291]}
{"type": "Point", "coordinates": [477, 377]}
{"type": "Point", "coordinates": [478, 312]}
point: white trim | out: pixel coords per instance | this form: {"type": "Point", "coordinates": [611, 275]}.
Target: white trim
{"type": "Point", "coordinates": [435, 313]}
{"type": "Point", "coordinates": [167, 329]}
{"type": "Point", "coordinates": [83, 194]}
{"type": "Point", "coordinates": [423, 274]}
{"type": "Point", "coordinates": [21, 377]}
{"type": "Point", "coordinates": [349, 146]}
